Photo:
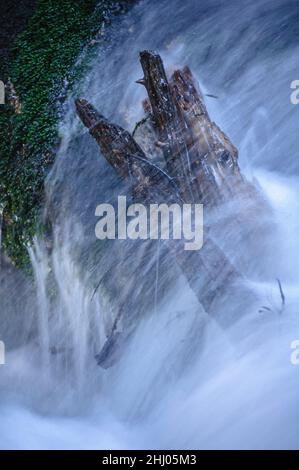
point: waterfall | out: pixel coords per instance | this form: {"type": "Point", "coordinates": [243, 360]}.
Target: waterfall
{"type": "Point", "coordinates": [181, 381]}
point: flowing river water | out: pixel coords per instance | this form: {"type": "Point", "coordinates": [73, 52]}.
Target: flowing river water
{"type": "Point", "coordinates": [182, 382]}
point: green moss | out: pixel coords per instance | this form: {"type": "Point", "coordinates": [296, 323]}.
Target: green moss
{"type": "Point", "coordinates": [42, 60]}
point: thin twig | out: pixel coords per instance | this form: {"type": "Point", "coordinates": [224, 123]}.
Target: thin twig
{"type": "Point", "coordinates": [283, 299]}
{"type": "Point", "coordinates": [94, 292]}
{"type": "Point", "coordinates": [139, 123]}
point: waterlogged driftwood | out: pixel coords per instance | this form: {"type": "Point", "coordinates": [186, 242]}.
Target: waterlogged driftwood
{"type": "Point", "coordinates": [202, 157]}
{"type": "Point", "coordinates": [200, 167]}
{"type": "Point", "coordinates": [196, 151]}
{"type": "Point", "coordinates": [207, 270]}
{"type": "Point", "coordinates": [148, 181]}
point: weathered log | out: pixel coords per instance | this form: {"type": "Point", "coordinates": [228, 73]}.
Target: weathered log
{"type": "Point", "coordinates": [170, 130]}
{"type": "Point", "coordinates": [149, 183]}
{"type": "Point", "coordinates": [213, 158]}
{"type": "Point", "coordinates": [196, 151]}
{"type": "Point", "coordinates": [200, 166]}
{"type": "Point", "coordinates": [152, 185]}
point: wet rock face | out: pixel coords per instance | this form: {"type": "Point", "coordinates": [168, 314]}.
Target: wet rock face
{"type": "Point", "coordinates": [14, 16]}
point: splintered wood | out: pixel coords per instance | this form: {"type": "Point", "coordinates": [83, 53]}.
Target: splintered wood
{"type": "Point", "coordinates": [200, 166]}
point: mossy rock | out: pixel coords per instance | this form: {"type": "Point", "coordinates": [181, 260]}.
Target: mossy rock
{"type": "Point", "coordinates": [41, 66]}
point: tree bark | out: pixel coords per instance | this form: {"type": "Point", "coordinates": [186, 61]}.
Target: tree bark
{"type": "Point", "coordinates": [201, 166]}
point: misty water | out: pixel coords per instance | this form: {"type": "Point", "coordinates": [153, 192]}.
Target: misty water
{"type": "Point", "coordinates": [182, 381]}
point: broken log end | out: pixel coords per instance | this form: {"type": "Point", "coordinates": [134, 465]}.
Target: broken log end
{"type": "Point", "coordinates": [87, 113]}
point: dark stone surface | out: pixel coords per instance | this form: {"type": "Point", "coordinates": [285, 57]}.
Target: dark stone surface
{"type": "Point", "coordinates": [14, 17]}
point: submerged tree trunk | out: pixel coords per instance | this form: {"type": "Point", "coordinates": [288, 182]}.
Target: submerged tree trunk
{"type": "Point", "coordinates": [200, 166]}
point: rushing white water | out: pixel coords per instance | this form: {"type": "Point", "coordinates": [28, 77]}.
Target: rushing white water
{"type": "Point", "coordinates": [182, 381]}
